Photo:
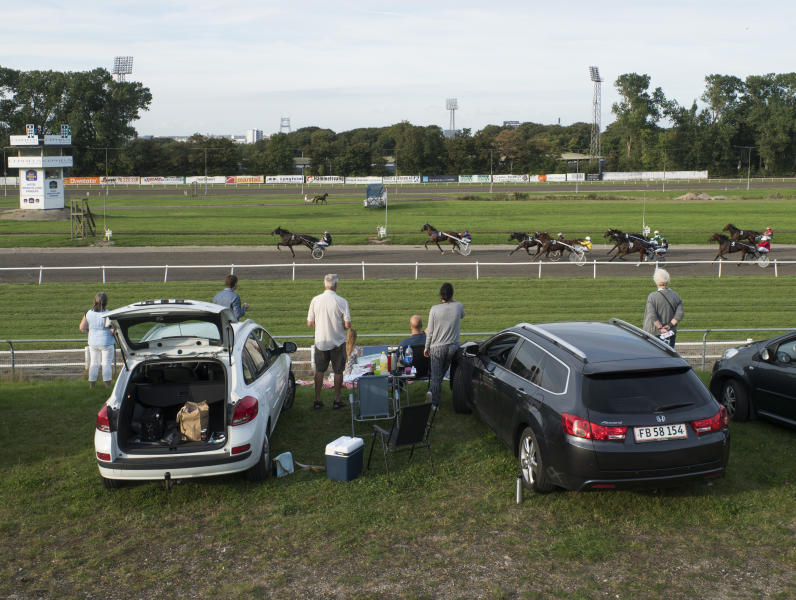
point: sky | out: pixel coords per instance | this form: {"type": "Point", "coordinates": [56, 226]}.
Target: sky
{"type": "Point", "coordinates": [224, 67]}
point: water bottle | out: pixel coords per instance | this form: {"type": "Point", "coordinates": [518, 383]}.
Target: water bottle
{"type": "Point", "coordinates": [408, 356]}
{"type": "Point", "coordinates": [383, 367]}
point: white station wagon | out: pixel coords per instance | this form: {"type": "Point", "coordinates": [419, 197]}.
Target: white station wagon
{"type": "Point", "coordinates": [176, 351]}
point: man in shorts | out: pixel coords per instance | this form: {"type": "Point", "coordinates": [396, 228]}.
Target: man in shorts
{"type": "Point", "coordinates": [330, 316]}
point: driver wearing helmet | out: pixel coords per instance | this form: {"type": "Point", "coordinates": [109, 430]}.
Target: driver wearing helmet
{"type": "Point", "coordinates": [656, 238]}
{"type": "Point", "coordinates": [327, 239]}
{"type": "Point", "coordinates": [764, 245]}
{"type": "Point", "coordinates": [586, 242]}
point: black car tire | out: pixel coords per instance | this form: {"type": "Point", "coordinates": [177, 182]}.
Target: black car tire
{"type": "Point", "coordinates": [460, 391]}
{"type": "Point", "coordinates": [529, 456]}
{"type": "Point", "coordinates": [262, 470]}
{"type": "Point", "coordinates": [735, 399]}
{"type": "Point", "coordinates": [291, 393]}
{"type": "Point", "coordinates": [111, 484]}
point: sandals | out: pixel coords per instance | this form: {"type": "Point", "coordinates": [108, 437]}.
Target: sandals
{"type": "Point", "coordinates": [316, 405]}
{"type": "Point", "coordinates": [338, 405]}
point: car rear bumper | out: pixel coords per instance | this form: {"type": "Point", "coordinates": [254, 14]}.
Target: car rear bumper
{"type": "Point", "coordinates": [177, 467]}
{"type": "Point", "coordinates": [626, 483]}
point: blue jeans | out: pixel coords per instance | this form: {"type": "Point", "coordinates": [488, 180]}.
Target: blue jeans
{"type": "Point", "coordinates": [441, 357]}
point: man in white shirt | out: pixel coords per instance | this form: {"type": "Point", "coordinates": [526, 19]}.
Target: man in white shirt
{"type": "Point", "coordinates": [330, 316]}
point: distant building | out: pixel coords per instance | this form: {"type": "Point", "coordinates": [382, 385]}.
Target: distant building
{"type": "Point", "coordinates": [253, 135]}
{"type": "Point", "coordinates": [513, 124]}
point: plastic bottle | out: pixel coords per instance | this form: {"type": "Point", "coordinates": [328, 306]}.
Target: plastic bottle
{"type": "Point", "coordinates": [383, 363]}
{"type": "Point", "coordinates": [408, 356]}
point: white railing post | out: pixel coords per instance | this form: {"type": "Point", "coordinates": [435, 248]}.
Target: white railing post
{"type": "Point", "coordinates": [103, 274]}
{"type": "Point", "coordinates": [415, 270]}
{"type": "Point", "coordinates": [775, 268]}
{"type": "Point", "coordinates": [594, 273]}
{"type": "Point", "coordinates": [41, 272]}
{"type": "Point", "coordinates": [476, 270]}
{"type": "Point", "coordinates": [540, 270]}
{"type": "Point", "coordinates": [294, 270]}
{"type": "Point", "coordinates": [232, 268]}
{"type": "Point", "coordinates": [720, 261]}
{"type": "Point", "coordinates": [166, 274]}
{"type": "Point", "coordinates": [363, 270]}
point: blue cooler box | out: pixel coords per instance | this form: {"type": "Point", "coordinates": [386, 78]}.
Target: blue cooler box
{"type": "Point", "coordinates": [344, 458]}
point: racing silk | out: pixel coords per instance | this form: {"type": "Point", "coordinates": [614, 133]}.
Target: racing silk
{"type": "Point", "coordinates": [586, 244]}
{"type": "Point", "coordinates": [466, 237]}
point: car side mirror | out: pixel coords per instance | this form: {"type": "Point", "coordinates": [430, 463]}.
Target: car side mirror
{"type": "Point", "coordinates": [470, 351]}
{"type": "Point", "coordinates": [289, 348]}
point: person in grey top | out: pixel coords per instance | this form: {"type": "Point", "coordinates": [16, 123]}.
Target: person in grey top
{"type": "Point", "coordinates": [442, 338]}
{"type": "Point", "coordinates": [228, 297]}
{"type": "Point", "coordinates": [664, 309]}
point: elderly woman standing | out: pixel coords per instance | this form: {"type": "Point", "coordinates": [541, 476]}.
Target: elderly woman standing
{"type": "Point", "coordinates": [664, 309]}
{"type": "Point", "coordinates": [100, 340]}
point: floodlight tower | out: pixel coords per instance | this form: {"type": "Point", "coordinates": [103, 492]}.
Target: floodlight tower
{"type": "Point", "coordinates": [284, 125]}
{"type": "Point", "coordinates": [122, 65]}
{"type": "Point", "coordinates": [452, 104]}
{"type": "Point", "coordinates": [594, 148]}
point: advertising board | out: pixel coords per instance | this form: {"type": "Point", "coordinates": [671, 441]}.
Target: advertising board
{"type": "Point", "coordinates": [440, 179]}
{"type": "Point", "coordinates": [38, 162]}
{"type": "Point", "coordinates": [57, 140]}
{"type": "Point", "coordinates": [510, 178]}
{"type": "Point", "coordinates": [235, 179]}
{"type": "Point", "coordinates": [573, 177]}
{"type": "Point", "coordinates": [24, 140]}
{"type": "Point", "coordinates": [363, 180]}
{"type": "Point", "coordinates": [402, 179]}
{"type": "Point", "coordinates": [327, 179]}
{"type": "Point", "coordinates": [81, 180]}
{"type": "Point", "coordinates": [284, 179]}
{"type": "Point", "coordinates": [162, 180]}
{"type": "Point", "coordinates": [473, 178]}
{"type": "Point", "coordinates": [556, 177]}
{"type": "Point", "coordinates": [31, 189]}
{"type": "Point", "coordinates": [120, 180]}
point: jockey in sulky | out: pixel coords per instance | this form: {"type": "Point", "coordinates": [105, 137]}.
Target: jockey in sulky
{"type": "Point", "coordinates": [764, 245]}
{"type": "Point", "coordinates": [656, 238]}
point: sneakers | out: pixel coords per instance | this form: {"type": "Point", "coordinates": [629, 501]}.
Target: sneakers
{"type": "Point", "coordinates": [338, 405]}
{"type": "Point", "coordinates": [316, 405]}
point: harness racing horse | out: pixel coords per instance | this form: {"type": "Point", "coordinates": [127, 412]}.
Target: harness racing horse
{"type": "Point", "coordinates": [436, 236]}
{"type": "Point", "coordinates": [289, 240]}
{"type": "Point", "coordinates": [320, 199]}
{"type": "Point", "coordinates": [526, 241]}
{"type": "Point", "coordinates": [555, 248]}
{"type": "Point", "coordinates": [625, 243]}
{"type": "Point", "coordinates": [728, 246]}
{"type": "Point", "coordinates": [741, 234]}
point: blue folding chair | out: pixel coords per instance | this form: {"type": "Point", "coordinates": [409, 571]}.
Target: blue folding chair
{"type": "Point", "coordinates": [371, 401]}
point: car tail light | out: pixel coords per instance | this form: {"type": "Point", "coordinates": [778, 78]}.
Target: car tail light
{"type": "Point", "coordinates": [592, 431]}
{"type": "Point", "coordinates": [245, 410]}
{"type": "Point", "coordinates": [714, 423]}
{"type": "Point", "coordinates": [103, 456]}
{"type": "Point", "coordinates": [103, 422]}
{"type": "Point", "coordinates": [239, 449]}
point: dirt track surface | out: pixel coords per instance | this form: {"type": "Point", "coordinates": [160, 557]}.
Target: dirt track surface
{"type": "Point", "coordinates": [191, 263]}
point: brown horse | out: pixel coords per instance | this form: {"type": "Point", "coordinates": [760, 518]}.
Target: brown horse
{"type": "Point", "coordinates": [320, 199]}
{"type": "Point", "coordinates": [627, 243]}
{"type": "Point", "coordinates": [555, 248]}
{"type": "Point", "coordinates": [728, 246]}
{"type": "Point", "coordinates": [437, 236]}
{"type": "Point", "coordinates": [292, 239]}
{"type": "Point", "coordinates": [741, 234]}
{"type": "Point", "coordinates": [526, 241]}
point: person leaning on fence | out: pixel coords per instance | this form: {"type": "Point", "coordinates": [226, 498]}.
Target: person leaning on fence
{"type": "Point", "coordinates": [442, 338]}
{"type": "Point", "coordinates": [664, 309]}
{"type": "Point", "coordinates": [330, 316]}
{"type": "Point", "coordinates": [100, 340]}
{"type": "Point", "coordinates": [229, 297]}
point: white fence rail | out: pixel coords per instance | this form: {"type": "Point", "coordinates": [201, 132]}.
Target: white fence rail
{"type": "Point", "coordinates": [538, 267]}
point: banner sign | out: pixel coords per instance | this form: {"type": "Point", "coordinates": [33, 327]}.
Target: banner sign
{"type": "Point", "coordinates": [8, 181]}
{"type": "Point", "coordinates": [128, 180]}
{"type": "Point", "coordinates": [363, 180]}
{"type": "Point", "coordinates": [576, 177]}
{"type": "Point", "coordinates": [510, 178]}
{"type": "Point", "coordinates": [57, 140]}
{"type": "Point", "coordinates": [38, 162]}
{"type": "Point", "coordinates": [24, 140]}
{"type": "Point", "coordinates": [81, 180]}
{"type": "Point", "coordinates": [234, 179]}
{"type": "Point", "coordinates": [162, 180]}
{"type": "Point", "coordinates": [556, 177]}
{"type": "Point", "coordinates": [473, 178]}
{"type": "Point", "coordinates": [202, 179]}
{"type": "Point", "coordinates": [593, 176]}
{"type": "Point", "coordinates": [440, 179]}
{"type": "Point", "coordinates": [375, 195]}
{"type": "Point", "coordinates": [402, 179]}
{"type": "Point", "coordinates": [284, 179]}
{"type": "Point", "coordinates": [325, 179]}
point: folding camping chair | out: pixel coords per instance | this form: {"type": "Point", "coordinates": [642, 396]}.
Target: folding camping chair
{"type": "Point", "coordinates": [411, 429]}
{"type": "Point", "coordinates": [371, 400]}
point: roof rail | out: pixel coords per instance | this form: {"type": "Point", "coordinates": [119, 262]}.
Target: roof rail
{"type": "Point", "coordinates": [630, 328]}
{"type": "Point", "coordinates": [556, 340]}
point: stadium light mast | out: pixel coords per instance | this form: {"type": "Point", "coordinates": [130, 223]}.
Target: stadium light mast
{"type": "Point", "coordinates": [452, 105]}
{"type": "Point", "coordinates": [594, 147]}
{"type": "Point", "coordinates": [122, 65]}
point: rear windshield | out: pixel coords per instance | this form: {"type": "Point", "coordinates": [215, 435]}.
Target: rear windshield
{"type": "Point", "coordinates": [147, 331]}
{"type": "Point", "coordinates": [643, 392]}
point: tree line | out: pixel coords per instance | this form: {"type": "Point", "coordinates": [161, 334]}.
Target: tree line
{"type": "Point", "coordinates": [741, 124]}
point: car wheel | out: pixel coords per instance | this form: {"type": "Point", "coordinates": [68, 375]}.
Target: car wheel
{"type": "Point", "coordinates": [291, 393]}
{"type": "Point", "coordinates": [735, 400]}
{"type": "Point", "coordinates": [111, 484]}
{"type": "Point", "coordinates": [262, 470]}
{"type": "Point", "coordinates": [460, 391]}
{"type": "Point", "coordinates": [531, 465]}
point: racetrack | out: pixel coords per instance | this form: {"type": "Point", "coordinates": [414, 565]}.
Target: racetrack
{"type": "Point", "coordinates": [190, 263]}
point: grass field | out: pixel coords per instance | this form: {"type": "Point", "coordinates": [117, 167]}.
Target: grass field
{"type": "Point", "coordinates": [456, 534]}
{"type": "Point", "coordinates": [384, 306]}
{"type": "Point", "coordinates": [247, 220]}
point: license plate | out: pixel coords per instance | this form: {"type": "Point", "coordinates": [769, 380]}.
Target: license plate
{"type": "Point", "coordinates": [653, 433]}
